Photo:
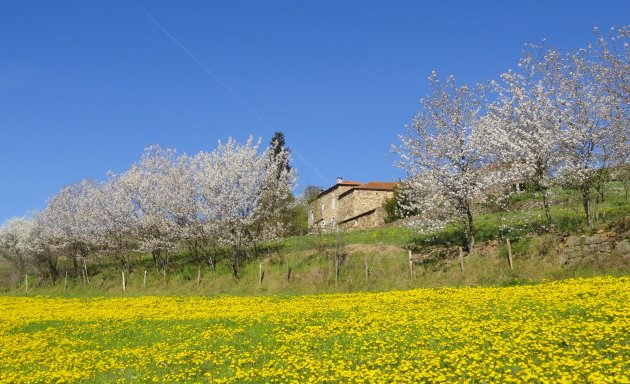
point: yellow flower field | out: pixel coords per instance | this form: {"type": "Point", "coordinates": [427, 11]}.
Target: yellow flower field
{"type": "Point", "coordinates": [569, 331]}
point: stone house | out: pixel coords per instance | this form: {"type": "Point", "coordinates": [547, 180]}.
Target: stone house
{"type": "Point", "coordinates": [350, 205]}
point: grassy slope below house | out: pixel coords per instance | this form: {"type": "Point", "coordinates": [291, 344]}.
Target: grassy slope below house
{"type": "Point", "coordinates": [537, 256]}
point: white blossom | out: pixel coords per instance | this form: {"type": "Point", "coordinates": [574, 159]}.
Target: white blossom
{"type": "Point", "coordinates": [444, 154]}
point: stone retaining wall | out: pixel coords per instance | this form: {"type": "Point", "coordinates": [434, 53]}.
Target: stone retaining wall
{"type": "Point", "coordinates": [599, 246]}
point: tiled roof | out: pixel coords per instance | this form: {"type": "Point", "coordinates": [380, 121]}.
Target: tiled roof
{"type": "Point", "coordinates": [343, 183]}
{"type": "Point", "coordinates": [378, 186]}
{"type": "Point", "coordinates": [371, 186]}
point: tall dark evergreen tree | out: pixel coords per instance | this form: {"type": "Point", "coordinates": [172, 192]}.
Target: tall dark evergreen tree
{"type": "Point", "coordinates": [278, 145]}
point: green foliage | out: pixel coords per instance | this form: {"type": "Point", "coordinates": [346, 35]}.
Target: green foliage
{"type": "Point", "coordinates": [393, 207]}
{"type": "Point", "coordinates": [310, 193]}
{"type": "Point", "coordinates": [188, 272]}
{"type": "Point", "coordinates": [297, 219]}
{"type": "Point", "coordinates": [390, 205]}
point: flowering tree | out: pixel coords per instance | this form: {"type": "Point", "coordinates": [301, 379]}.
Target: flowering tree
{"type": "Point", "coordinates": [444, 156]}
{"type": "Point", "coordinates": [182, 209]}
{"type": "Point", "coordinates": [238, 190]}
{"type": "Point", "coordinates": [233, 196]}
{"type": "Point", "coordinates": [611, 71]}
{"type": "Point", "coordinates": [523, 124]}
{"type": "Point", "coordinates": [586, 110]}
{"type": "Point", "coordinates": [619, 146]}
{"type": "Point", "coordinates": [46, 258]}
{"type": "Point", "coordinates": [153, 185]}
{"type": "Point", "coordinates": [19, 243]}
{"type": "Point", "coordinates": [23, 243]}
{"type": "Point", "coordinates": [273, 216]}
{"type": "Point", "coordinates": [68, 225]}
{"type": "Point", "coordinates": [114, 219]}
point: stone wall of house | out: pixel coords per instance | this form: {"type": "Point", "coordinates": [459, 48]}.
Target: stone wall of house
{"type": "Point", "coordinates": [366, 200]}
{"type": "Point", "coordinates": [361, 201]}
{"type": "Point", "coordinates": [330, 209]}
{"type": "Point", "coordinates": [346, 206]}
{"type": "Point", "coordinates": [374, 219]}
{"type": "Point", "coordinates": [326, 207]}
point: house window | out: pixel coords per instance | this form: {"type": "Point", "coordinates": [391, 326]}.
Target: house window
{"type": "Point", "coordinates": [332, 202]}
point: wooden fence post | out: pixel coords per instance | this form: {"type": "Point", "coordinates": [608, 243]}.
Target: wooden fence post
{"type": "Point", "coordinates": [367, 269]}
{"type": "Point", "coordinates": [144, 281]}
{"type": "Point", "coordinates": [461, 259]}
{"type": "Point", "coordinates": [65, 282]}
{"type": "Point", "coordinates": [261, 273]}
{"type": "Point", "coordinates": [509, 247]}
{"type": "Point", "coordinates": [26, 282]}
{"type": "Point", "coordinates": [124, 285]}
{"type": "Point", "coordinates": [199, 275]}
{"type": "Point", "coordinates": [288, 270]}
{"type": "Point", "coordinates": [336, 269]}
{"type": "Point", "coordinates": [410, 265]}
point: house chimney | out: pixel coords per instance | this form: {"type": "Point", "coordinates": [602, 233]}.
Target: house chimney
{"type": "Point", "coordinates": [339, 180]}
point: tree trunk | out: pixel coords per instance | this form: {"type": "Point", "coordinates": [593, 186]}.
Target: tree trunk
{"type": "Point", "coordinates": [85, 271]}
{"type": "Point", "coordinates": [509, 248]}
{"type": "Point", "coordinates": [212, 260]}
{"type": "Point", "coordinates": [545, 200]}
{"type": "Point", "coordinates": [193, 247]}
{"type": "Point", "coordinates": [75, 264]}
{"type": "Point", "coordinates": [155, 253]}
{"type": "Point", "coordinates": [52, 268]}
{"type": "Point", "coordinates": [586, 203]}
{"type": "Point", "coordinates": [19, 268]}
{"type": "Point", "coordinates": [470, 230]}
{"type": "Point", "coordinates": [234, 270]}
{"type": "Point", "coordinates": [124, 263]}
{"type": "Point", "coordinates": [235, 262]}
{"type": "Point", "coordinates": [600, 185]}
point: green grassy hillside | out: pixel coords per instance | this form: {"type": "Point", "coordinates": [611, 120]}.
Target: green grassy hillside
{"type": "Point", "coordinates": [312, 259]}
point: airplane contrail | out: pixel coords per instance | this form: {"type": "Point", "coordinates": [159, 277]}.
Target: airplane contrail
{"type": "Point", "coordinates": [203, 66]}
{"type": "Point", "coordinates": [225, 85]}
{"type": "Point", "coordinates": [311, 166]}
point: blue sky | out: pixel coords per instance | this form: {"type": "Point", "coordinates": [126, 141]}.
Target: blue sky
{"type": "Point", "coordinates": [86, 86]}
